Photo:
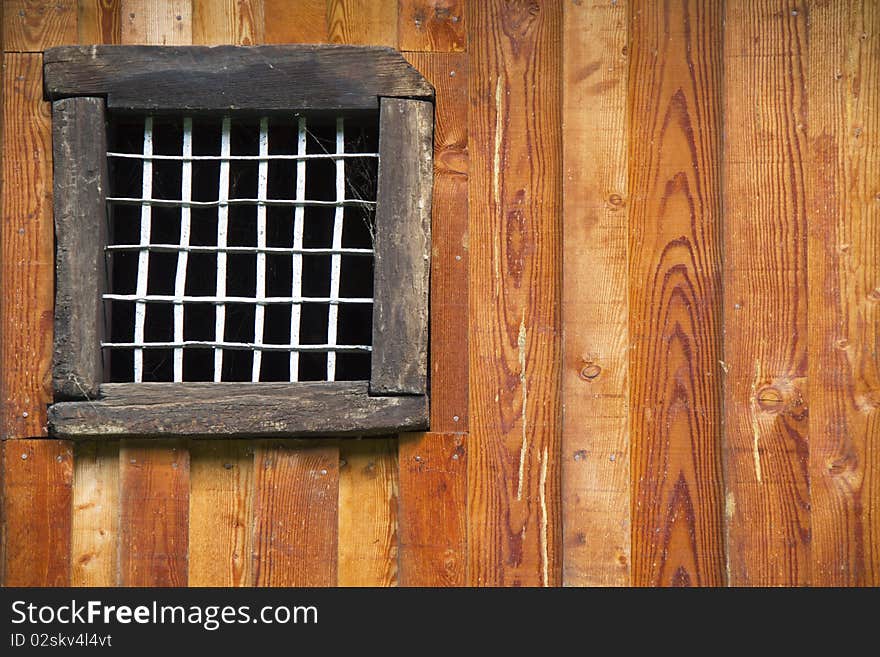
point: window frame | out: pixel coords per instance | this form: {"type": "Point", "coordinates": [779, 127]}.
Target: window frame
{"type": "Point", "coordinates": [85, 82]}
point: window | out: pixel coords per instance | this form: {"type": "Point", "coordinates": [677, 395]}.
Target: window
{"type": "Point", "coordinates": [242, 240]}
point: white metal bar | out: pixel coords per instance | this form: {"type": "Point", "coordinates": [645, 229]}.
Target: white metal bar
{"type": "Point", "coordinates": [183, 254]}
{"type": "Point", "coordinates": [298, 224]}
{"type": "Point", "coordinates": [239, 345]}
{"type": "Point", "coordinates": [336, 259]}
{"type": "Point", "coordinates": [140, 309]}
{"type": "Point", "coordinates": [222, 228]}
{"type": "Point", "coordinates": [262, 193]}
{"type": "Point", "coordinates": [280, 202]}
{"type": "Point", "coordinates": [279, 250]}
{"type": "Point", "coordinates": [236, 158]}
{"type": "Point", "coordinates": [170, 298]}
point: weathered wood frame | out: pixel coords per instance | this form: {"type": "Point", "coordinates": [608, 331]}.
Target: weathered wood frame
{"type": "Point", "coordinates": [83, 83]}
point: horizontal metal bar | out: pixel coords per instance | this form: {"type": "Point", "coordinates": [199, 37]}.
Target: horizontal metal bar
{"type": "Point", "coordinates": [244, 158]}
{"type": "Point", "coordinates": [211, 344]}
{"type": "Point", "coordinates": [234, 201]}
{"type": "Point", "coordinates": [196, 248]}
{"type": "Point", "coordinates": [167, 298]}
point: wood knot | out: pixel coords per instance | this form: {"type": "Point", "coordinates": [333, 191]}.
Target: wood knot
{"type": "Point", "coordinates": [616, 200]}
{"type": "Point", "coordinates": [771, 399]}
{"type": "Point", "coordinates": [874, 295]}
{"type": "Point", "coordinates": [590, 371]}
{"type": "Point", "coordinates": [580, 455]}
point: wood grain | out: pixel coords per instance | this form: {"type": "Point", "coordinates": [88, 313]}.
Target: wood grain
{"type": "Point", "coordinates": [221, 513]}
{"type": "Point", "coordinates": [515, 288]}
{"type": "Point", "coordinates": [595, 427]}
{"type": "Point", "coordinates": [228, 21]}
{"type": "Point", "coordinates": [433, 506]}
{"type": "Point", "coordinates": [368, 512]}
{"type": "Point", "coordinates": [99, 21]}
{"type": "Point", "coordinates": [304, 21]}
{"type": "Point", "coordinates": [156, 22]}
{"type": "Point", "coordinates": [37, 480]}
{"type": "Point", "coordinates": [94, 549]}
{"type": "Point", "coordinates": [432, 25]}
{"type": "Point", "coordinates": [844, 271]}
{"type": "Point", "coordinates": [33, 25]}
{"type": "Point", "coordinates": [674, 125]}
{"type": "Point", "coordinates": [296, 521]}
{"type": "Point", "coordinates": [27, 260]}
{"type": "Point", "coordinates": [767, 496]}
{"type": "Point", "coordinates": [449, 239]}
{"type": "Point", "coordinates": [362, 22]}
{"type": "Point", "coordinates": [153, 513]}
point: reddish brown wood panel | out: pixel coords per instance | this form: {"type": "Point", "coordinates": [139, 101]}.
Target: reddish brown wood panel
{"type": "Point", "coordinates": [362, 22]}
{"type": "Point", "coordinates": [34, 25]}
{"type": "Point", "coordinates": [99, 21]}
{"type": "Point", "coordinates": [296, 523]}
{"type": "Point", "coordinates": [94, 549]}
{"type": "Point", "coordinates": [304, 21]}
{"type": "Point", "coordinates": [844, 262]}
{"type": "Point", "coordinates": [240, 22]}
{"type": "Point", "coordinates": [515, 289]}
{"type": "Point", "coordinates": [432, 25]}
{"type": "Point", "coordinates": [433, 505]}
{"type": "Point", "coordinates": [675, 304]}
{"type": "Point", "coordinates": [26, 244]}
{"type": "Point", "coordinates": [766, 452]}
{"type": "Point", "coordinates": [595, 438]}
{"type": "Point", "coordinates": [449, 240]}
{"type": "Point", "coordinates": [37, 485]}
{"type": "Point", "coordinates": [153, 513]}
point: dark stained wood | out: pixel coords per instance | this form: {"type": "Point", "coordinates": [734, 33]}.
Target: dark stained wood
{"type": "Point", "coordinates": [433, 509]}
{"type": "Point", "coordinates": [515, 283]}
{"type": "Point", "coordinates": [37, 485]}
{"type": "Point", "coordinates": [595, 363]}
{"type": "Point", "coordinates": [214, 410]}
{"type": "Point", "coordinates": [33, 25]}
{"type": "Point", "coordinates": [229, 77]}
{"type": "Point", "coordinates": [99, 21]}
{"type": "Point", "coordinates": [844, 306]}
{"type": "Point", "coordinates": [674, 148]}
{"type": "Point", "coordinates": [401, 271]}
{"type": "Point", "coordinates": [153, 513]}
{"type": "Point", "coordinates": [449, 240]}
{"type": "Point", "coordinates": [295, 514]}
{"type": "Point", "coordinates": [26, 253]}
{"type": "Point", "coordinates": [80, 186]}
{"type": "Point", "coordinates": [432, 25]}
{"type": "Point", "coordinates": [765, 295]}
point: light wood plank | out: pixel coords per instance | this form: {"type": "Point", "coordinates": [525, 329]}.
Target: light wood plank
{"type": "Point", "coordinates": [240, 22]}
{"type": "Point", "coordinates": [34, 25]}
{"type": "Point", "coordinates": [94, 554]}
{"type": "Point", "coordinates": [156, 22]}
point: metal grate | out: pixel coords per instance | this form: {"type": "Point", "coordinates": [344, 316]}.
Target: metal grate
{"type": "Point", "coordinates": [240, 249]}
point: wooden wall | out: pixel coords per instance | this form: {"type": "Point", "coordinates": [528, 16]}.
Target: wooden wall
{"type": "Point", "coordinates": [655, 313]}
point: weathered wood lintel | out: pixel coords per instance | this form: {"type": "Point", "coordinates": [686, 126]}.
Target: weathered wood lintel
{"type": "Point", "coordinates": [235, 410]}
{"type": "Point", "coordinates": [253, 78]}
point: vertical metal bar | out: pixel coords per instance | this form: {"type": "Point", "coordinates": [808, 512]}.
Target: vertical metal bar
{"type": "Point", "coordinates": [298, 222]}
{"type": "Point", "coordinates": [222, 228]}
{"type": "Point", "coordinates": [182, 256]}
{"type": "Point", "coordinates": [336, 258]}
{"type": "Point", "coordinates": [262, 193]}
{"type": "Point", "coordinates": [140, 308]}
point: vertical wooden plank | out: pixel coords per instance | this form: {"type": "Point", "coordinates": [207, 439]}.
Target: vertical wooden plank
{"type": "Point", "coordinates": [767, 498]}
{"type": "Point", "coordinates": [674, 128]}
{"type": "Point", "coordinates": [432, 25]}
{"type": "Point", "coordinates": [154, 510]}
{"type": "Point", "coordinates": [240, 22]}
{"type": "Point", "coordinates": [99, 21]}
{"type": "Point", "coordinates": [38, 477]}
{"type": "Point", "coordinates": [94, 550]}
{"type": "Point", "coordinates": [449, 240]}
{"type": "Point", "coordinates": [295, 513]}
{"type": "Point", "coordinates": [221, 514]}
{"type": "Point", "coordinates": [595, 431]}
{"type": "Point", "coordinates": [844, 271]}
{"type": "Point", "coordinates": [34, 25]}
{"type": "Point", "coordinates": [433, 503]}
{"type": "Point", "coordinates": [368, 512]}
{"type": "Point", "coordinates": [27, 261]}
{"type": "Point", "coordinates": [304, 21]}
{"type": "Point", "coordinates": [515, 281]}
{"type": "Point", "coordinates": [157, 22]}
{"type": "Point", "coordinates": [362, 22]}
